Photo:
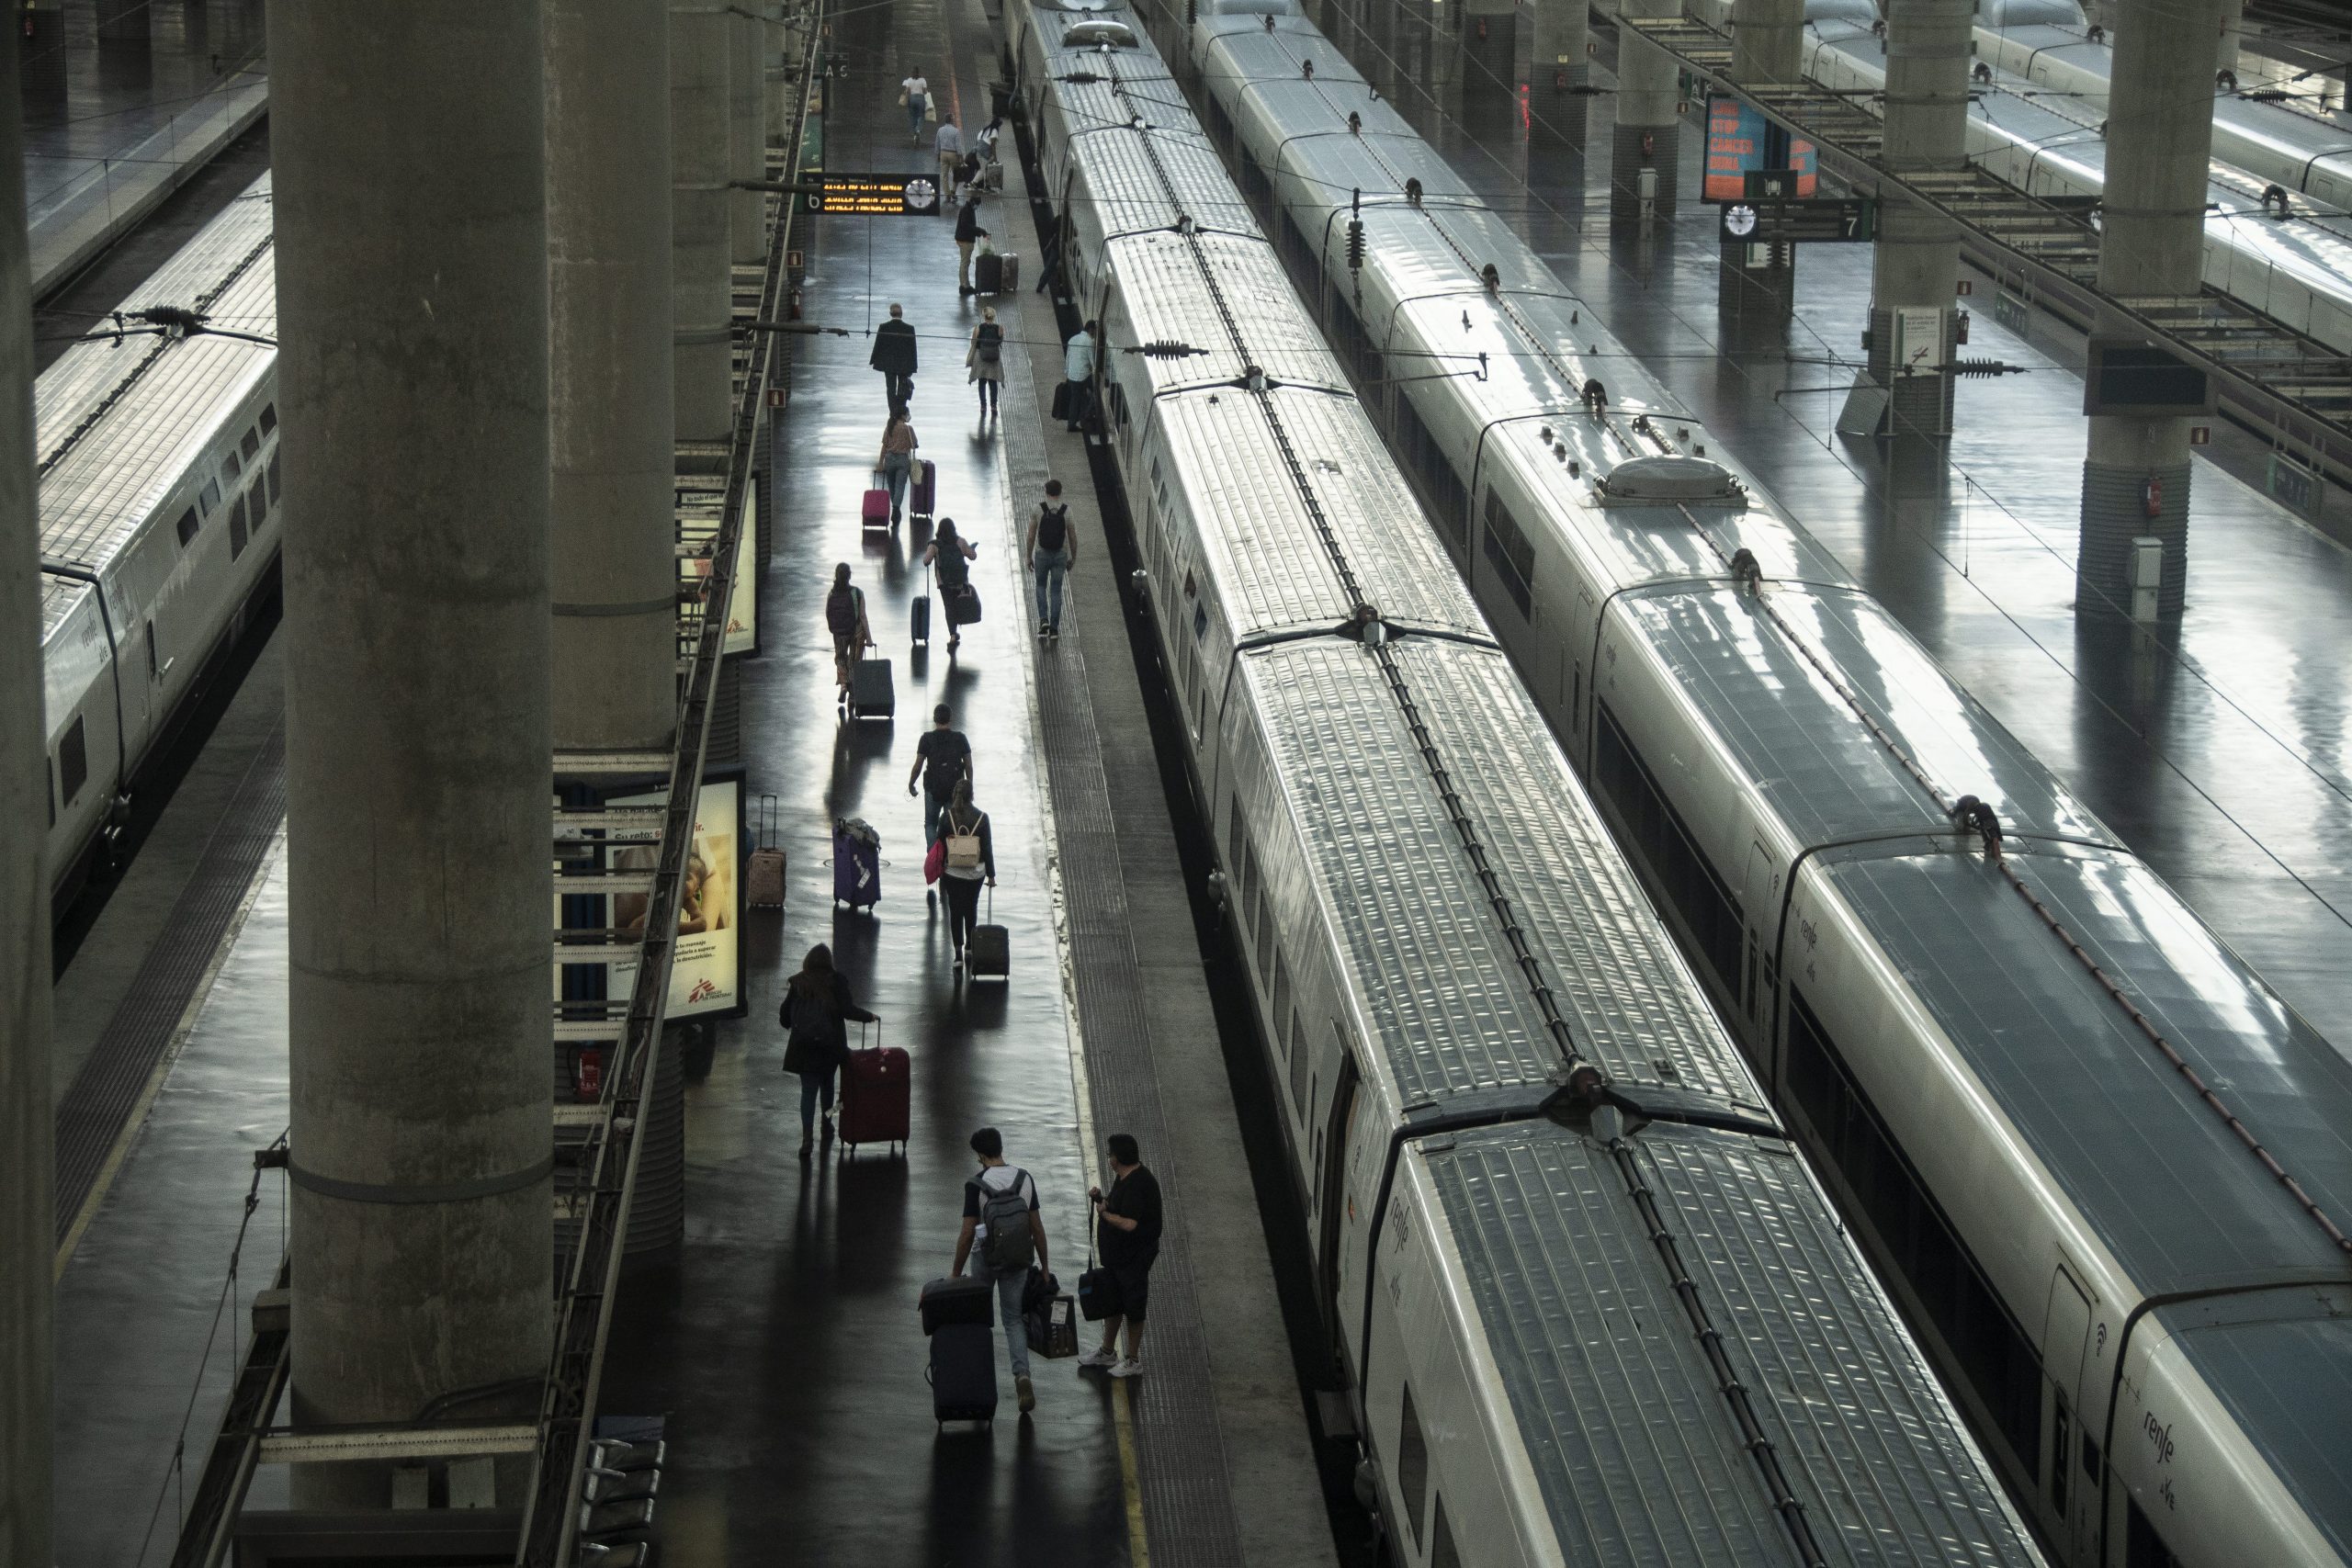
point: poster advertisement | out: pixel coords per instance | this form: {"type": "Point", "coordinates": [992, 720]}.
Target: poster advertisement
{"type": "Point", "coordinates": [1737, 133]}
{"type": "Point", "coordinates": [743, 598]}
{"type": "Point", "coordinates": [705, 971]}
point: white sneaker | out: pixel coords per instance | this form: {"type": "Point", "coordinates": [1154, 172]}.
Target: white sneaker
{"type": "Point", "coordinates": [1129, 1367]}
{"type": "Point", "coordinates": [1099, 1359]}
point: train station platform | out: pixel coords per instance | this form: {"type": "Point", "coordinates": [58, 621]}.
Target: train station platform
{"type": "Point", "coordinates": [119, 114]}
{"type": "Point", "coordinates": [2216, 747]}
{"type": "Point", "coordinates": [780, 1341]}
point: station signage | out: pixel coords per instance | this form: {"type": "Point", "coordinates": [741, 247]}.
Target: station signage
{"type": "Point", "coordinates": [870, 196]}
{"type": "Point", "coordinates": [1822, 220]}
{"type": "Point", "coordinates": [1737, 138]}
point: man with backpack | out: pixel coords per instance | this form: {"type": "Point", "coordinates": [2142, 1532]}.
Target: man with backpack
{"type": "Point", "coordinates": [845, 618]}
{"type": "Point", "coordinates": [1002, 1235]}
{"type": "Point", "coordinates": [942, 760]}
{"type": "Point", "coordinates": [1053, 550]}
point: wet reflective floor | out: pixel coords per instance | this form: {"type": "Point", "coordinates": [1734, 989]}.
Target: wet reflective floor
{"type": "Point", "coordinates": [2217, 747]}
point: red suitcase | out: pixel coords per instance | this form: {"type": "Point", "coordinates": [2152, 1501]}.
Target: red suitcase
{"type": "Point", "coordinates": [924, 488]}
{"type": "Point", "coordinates": [876, 1098]}
{"type": "Point", "coordinates": [875, 509]}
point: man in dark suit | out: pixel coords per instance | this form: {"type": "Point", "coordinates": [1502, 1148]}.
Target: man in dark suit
{"type": "Point", "coordinates": [894, 356]}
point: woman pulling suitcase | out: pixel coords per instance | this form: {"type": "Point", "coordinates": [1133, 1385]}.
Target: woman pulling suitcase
{"type": "Point", "coordinates": [816, 1008]}
{"type": "Point", "coordinates": [971, 858]}
{"type": "Point", "coordinates": [951, 556]}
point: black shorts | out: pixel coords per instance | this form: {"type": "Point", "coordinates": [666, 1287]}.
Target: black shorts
{"type": "Point", "coordinates": [1134, 1288]}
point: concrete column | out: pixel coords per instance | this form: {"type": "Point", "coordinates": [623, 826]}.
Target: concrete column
{"type": "Point", "coordinates": [612, 457]}
{"type": "Point", "coordinates": [27, 1162]}
{"type": "Point", "coordinates": [1649, 135]}
{"type": "Point", "coordinates": [1767, 41]}
{"type": "Point", "coordinates": [1489, 46]}
{"type": "Point", "coordinates": [1917, 262]}
{"type": "Point", "coordinates": [702, 289]}
{"type": "Point", "coordinates": [413, 312]}
{"type": "Point", "coordinates": [122, 21]}
{"type": "Point", "coordinates": [1561, 61]}
{"type": "Point", "coordinates": [747, 141]}
{"type": "Point", "coordinates": [2159, 146]}
{"type": "Point", "coordinates": [2232, 27]}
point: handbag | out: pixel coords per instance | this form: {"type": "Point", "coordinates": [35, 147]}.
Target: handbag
{"type": "Point", "coordinates": [1046, 1317]}
{"type": "Point", "coordinates": [1098, 1291]}
{"type": "Point", "coordinates": [934, 860]}
{"type": "Point", "coordinates": [963, 603]}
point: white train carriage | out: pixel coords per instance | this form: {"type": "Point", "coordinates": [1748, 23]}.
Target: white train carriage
{"type": "Point", "coordinates": [2295, 269]}
{"type": "Point", "coordinates": [1447, 956]}
{"type": "Point", "coordinates": [158, 522]}
{"type": "Point", "coordinates": [2149, 1329]}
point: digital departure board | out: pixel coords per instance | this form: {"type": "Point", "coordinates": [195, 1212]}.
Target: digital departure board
{"type": "Point", "coordinates": [872, 195]}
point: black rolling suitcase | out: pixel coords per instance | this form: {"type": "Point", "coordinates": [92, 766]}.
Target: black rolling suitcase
{"type": "Point", "coordinates": [871, 695]}
{"type": "Point", "coordinates": [988, 274]}
{"type": "Point", "coordinates": [992, 948]}
{"type": "Point", "coordinates": [956, 1298]}
{"type": "Point", "coordinates": [963, 1374]}
{"type": "Point", "coordinates": [919, 615]}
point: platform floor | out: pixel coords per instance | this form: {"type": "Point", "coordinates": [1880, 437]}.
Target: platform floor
{"type": "Point", "coordinates": [781, 1340]}
{"type": "Point", "coordinates": [2217, 747]}
{"type": "Point", "coordinates": [112, 126]}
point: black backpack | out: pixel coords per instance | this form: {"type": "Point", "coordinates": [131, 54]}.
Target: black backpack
{"type": "Point", "coordinates": [991, 336]}
{"type": "Point", "coordinates": [1053, 527]}
{"type": "Point", "coordinates": [840, 610]}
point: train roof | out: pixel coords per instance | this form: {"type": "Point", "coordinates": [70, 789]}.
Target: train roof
{"type": "Point", "coordinates": [2171, 1193]}
{"type": "Point", "coordinates": [1404, 903]}
{"type": "Point", "coordinates": [117, 424]}
{"type": "Point", "coordinates": [1266, 559]}
{"type": "Point", "coordinates": [1213, 334]}
{"type": "Point", "coordinates": [1138, 181]}
{"type": "Point", "coordinates": [1828, 777]}
{"type": "Point", "coordinates": [1635, 1449]}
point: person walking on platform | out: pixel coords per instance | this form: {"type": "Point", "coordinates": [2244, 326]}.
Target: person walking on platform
{"type": "Point", "coordinates": [1077, 373]}
{"type": "Point", "coordinates": [816, 1010]}
{"type": "Point", "coordinates": [949, 145]}
{"type": "Point", "coordinates": [967, 234]}
{"type": "Point", "coordinates": [897, 459]}
{"type": "Point", "coordinates": [894, 356]}
{"type": "Point", "coordinates": [942, 760]}
{"type": "Point", "coordinates": [1002, 1235]}
{"type": "Point", "coordinates": [1129, 1240]}
{"type": "Point", "coordinates": [1053, 550]}
{"type": "Point", "coordinates": [986, 356]}
{"type": "Point", "coordinates": [971, 857]}
{"type": "Point", "coordinates": [845, 618]}
{"type": "Point", "coordinates": [914, 94]}
{"type": "Point", "coordinates": [951, 556]}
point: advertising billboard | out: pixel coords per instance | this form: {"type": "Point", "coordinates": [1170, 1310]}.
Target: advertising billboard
{"type": "Point", "coordinates": [1737, 137]}
{"type": "Point", "coordinates": [697, 525]}
{"type": "Point", "coordinates": [705, 968]}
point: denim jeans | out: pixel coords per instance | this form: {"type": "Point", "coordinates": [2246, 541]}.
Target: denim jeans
{"type": "Point", "coordinates": [934, 806]}
{"type": "Point", "coordinates": [895, 466]}
{"type": "Point", "coordinates": [914, 114]}
{"type": "Point", "coordinates": [814, 1087]}
{"type": "Point", "coordinates": [1008, 1308]}
{"type": "Point", "coordinates": [1050, 567]}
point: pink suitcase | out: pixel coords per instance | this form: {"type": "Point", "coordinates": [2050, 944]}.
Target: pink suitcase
{"type": "Point", "coordinates": [875, 509]}
{"type": "Point", "coordinates": [876, 1098]}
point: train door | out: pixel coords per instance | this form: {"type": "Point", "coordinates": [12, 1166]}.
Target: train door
{"type": "Point", "coordinates": [1332, 1200]}
{"type": "Point", "coordinates": [1760, 898]}
{"type": "Point", "coordinates": [2070, 1498]}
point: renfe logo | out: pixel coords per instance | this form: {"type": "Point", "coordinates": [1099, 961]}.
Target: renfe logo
{"type": "Point", "coordinates": [2159, 1435]}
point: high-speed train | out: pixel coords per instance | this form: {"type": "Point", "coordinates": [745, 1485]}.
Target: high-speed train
{"type": "Point", "coordinates": [2047, 43]}
{"type": "Point", "coordinates": [157, 453]}
{"type": "Point", "coordinates": [1594, 1307]}
{"type": "Point", "coordinates": [2103, 1166]}
{"type": "Point", "coordinates": [2295, 269]}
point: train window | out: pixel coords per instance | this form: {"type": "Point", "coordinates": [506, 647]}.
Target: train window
{"type": "Point", "coordinates": [211, 498]}
{"type": "Point", "coordinates": [1266, 938]}
{"type": "Point", "coordinates": [237, 529]}
{"type": "Point", "coordinates": [268, 418]}
{"type": "Point", "coordinates": [1282, 984]}
{"type": "Point", "coordinates": [1297, 1067]}
{"type": "Point", "coordinates": [73, 762]}
{"type": "Point", "coordinates": [251, 444]}
{"type": "Point", "coordinates": [1697, 894]}
{"type": "Point", "coordinates": [273, 476]}
{"type": "Point", "coordinates": [1237, 835]}
{"type": "Point", "coordinates": [1996, 1359]}
{"type": "Point", "coordinates": [187, 527]}
{"type": "Point", "coordinates": [1412, 1467]}
{"type": "Point", "coordinates": [2143, 1547]}
{"type": "Point", "coordinates": [2060, 1473]}
{"type": "Point", "coordinates": [230, 468]}
{"type": "Point", "coordinates": [261, 505]}
{"type": "Point", "coordinates": [1510, 555]}
{"type": "Point", "coordinates": [1442, 1553]}
{"type": "Point", "coordinates": [2090, 1455]}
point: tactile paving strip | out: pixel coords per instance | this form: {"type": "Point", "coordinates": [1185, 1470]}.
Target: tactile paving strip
{"type": "Point", "coordinates": [112, 1078]}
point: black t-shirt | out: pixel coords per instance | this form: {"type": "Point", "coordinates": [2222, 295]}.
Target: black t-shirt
{"type": "Point", "coordinates": [946, 757]}
{"type": "Point", "coordinates": [1135, 1196]}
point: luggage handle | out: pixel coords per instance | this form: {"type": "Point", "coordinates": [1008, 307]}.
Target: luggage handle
{"type": "Point", "coordinates": [767, 821]}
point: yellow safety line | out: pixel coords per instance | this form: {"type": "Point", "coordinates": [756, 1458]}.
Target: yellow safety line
{"type": "Point", "coordinates": [1122, 1409]}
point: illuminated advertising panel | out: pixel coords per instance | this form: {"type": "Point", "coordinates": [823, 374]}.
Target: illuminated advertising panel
{"type": "Point", "coordinates": [1736, 135]}
{"type": "Point", "coordinates": [706, 969]}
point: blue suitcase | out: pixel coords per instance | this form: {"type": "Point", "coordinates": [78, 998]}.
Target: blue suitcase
{"type": "Point", "coordinates": [857, 864]}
